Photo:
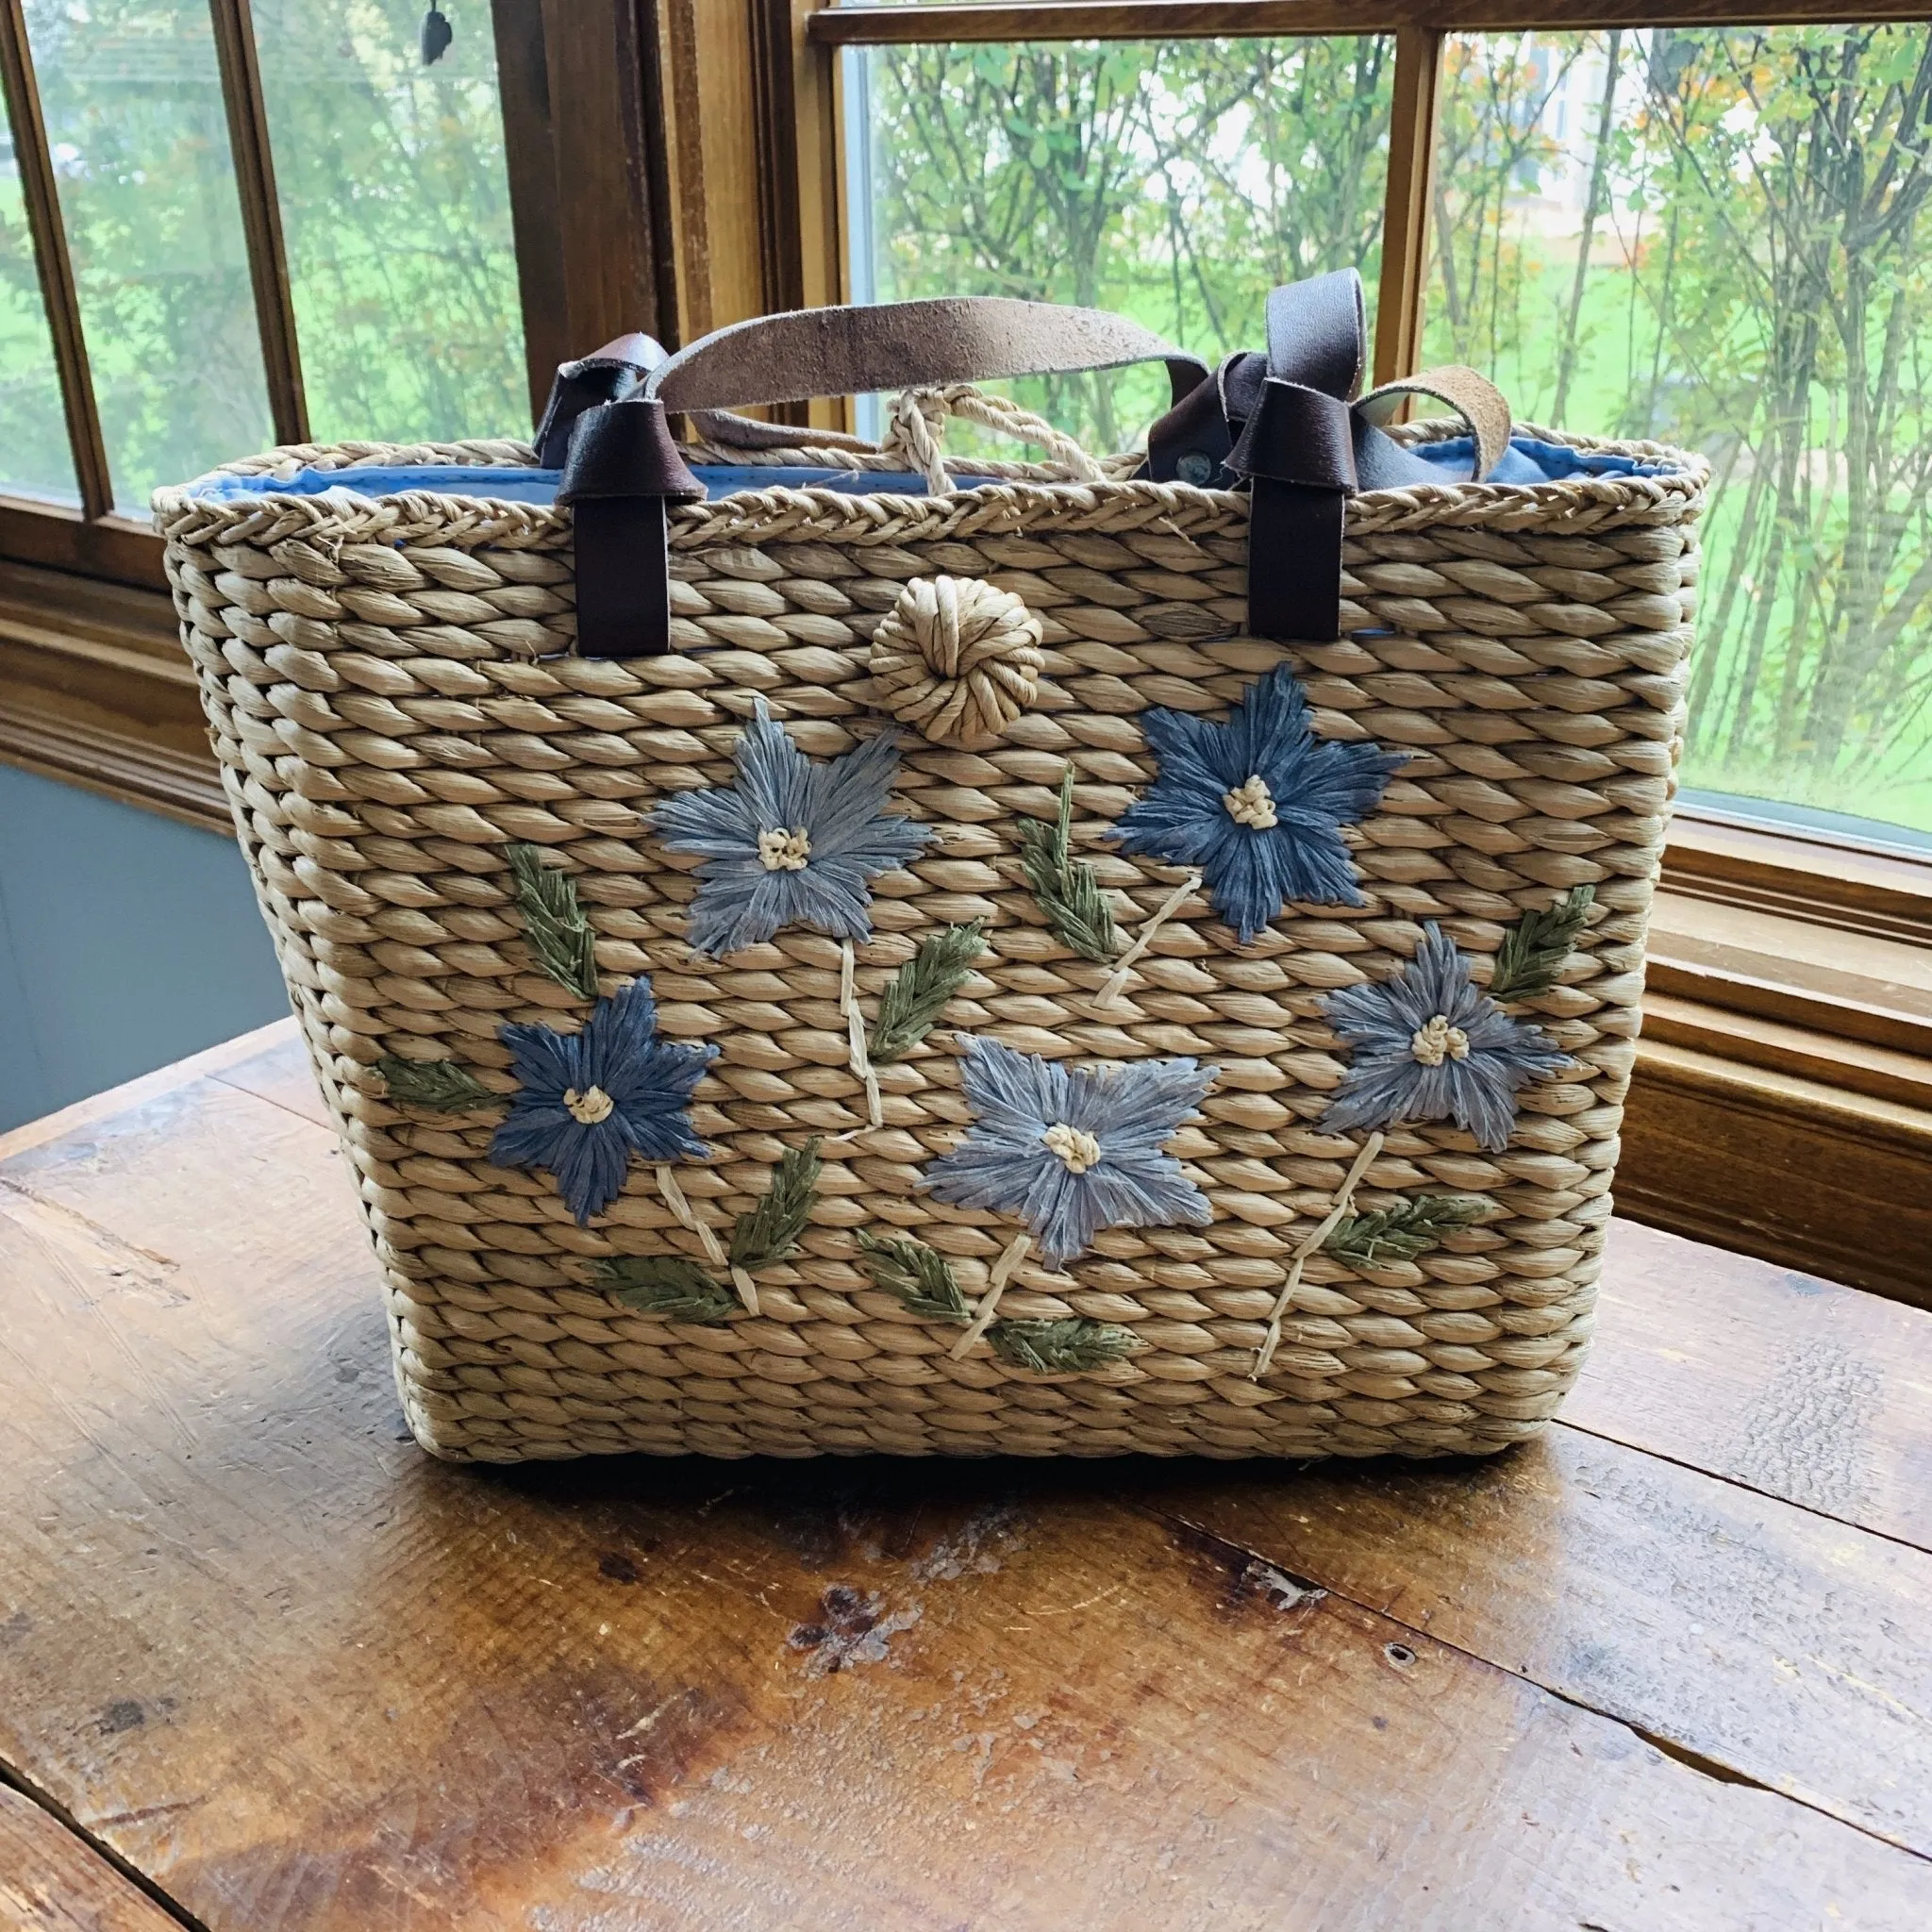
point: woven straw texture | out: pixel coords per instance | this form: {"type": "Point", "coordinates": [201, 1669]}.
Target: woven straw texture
{"type": "Point", "coordinates": [391, 697]}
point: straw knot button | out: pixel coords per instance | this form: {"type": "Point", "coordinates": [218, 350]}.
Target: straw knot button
{"type": "Point", "coordinates": [957, 660]}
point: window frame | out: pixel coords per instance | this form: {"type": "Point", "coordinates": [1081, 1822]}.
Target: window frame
{"type": "Point", "coordinates": [93, 689]}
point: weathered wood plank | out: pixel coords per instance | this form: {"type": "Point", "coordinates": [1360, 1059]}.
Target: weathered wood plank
{"type": "Point", "coordinates": [1795, 1386]}
{"type": "Point", "coordinates": [279, 1071]}
{"type": "Point", "coordinates": [1789, 1649]}
{"type": "Point", "coordinates": [115, 1101]}
{"type": "Point", "coordinates": [51, 1882]}
{"type": "Point", "coordinates": [307, 1679]}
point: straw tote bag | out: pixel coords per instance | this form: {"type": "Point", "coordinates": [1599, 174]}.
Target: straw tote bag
{"type": "Point", "coordinates": [815, 947]}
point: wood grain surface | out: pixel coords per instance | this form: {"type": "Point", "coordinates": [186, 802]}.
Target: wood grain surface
{"type": "Point", "coordinates": [51, 1882]}
{"type": "Point", "coordinates": [1664, 1668]}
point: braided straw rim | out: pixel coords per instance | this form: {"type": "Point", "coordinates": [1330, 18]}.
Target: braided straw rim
{"type": "Point", "coordinates": [1574, 506]}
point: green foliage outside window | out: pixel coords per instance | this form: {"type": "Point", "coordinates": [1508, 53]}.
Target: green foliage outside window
{"type": "Point", "coordinates": [1714, 237]}
{"type": "Point", "coordinates": [395, 200]}
{"type": "Point", "coordinates": [139, 138]}
{"type": "Point", "coordinates": [33, 432]}
{"type": "Point", "coordinates": [1756, 286]}
{"type": "Point", "coordinates": [394, 204]}
{"type": "Point", "coordinates": [1177, 183]}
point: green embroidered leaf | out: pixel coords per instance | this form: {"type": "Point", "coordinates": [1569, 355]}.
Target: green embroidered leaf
{"type": "Point", "coordinates": [554, 923]}
{"type": "Point", "coordinates": [917, 993]}
{"type": "Point", "coordinates": [1068, 893]}
{"type": "Point", "coordinates": [668, 1285]}
{"type": "Point", "coordinates": [770, 1231]}
{"type": "Point", "coordinates": [919, 1275]}
{"type": "Point", "coordinates": [1534, 949]}
{"type": "Point", "coordinates": [1407, 1229]}
{"type": "Point", "coordinates": [1060, 1348]}
{"type": "Point", "coordinates": [436, 1086]}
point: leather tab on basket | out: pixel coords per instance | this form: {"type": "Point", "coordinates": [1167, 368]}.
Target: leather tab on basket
{"type": "Point", "coordinates": [1468, 391]}
{"type": "Point", "coordinates": [606, 375]}
{"type": "Point", "coordinates": [1191, 443]}
{"type": "Point", "coordinates": [1289, 424]}
{"type": "Point", "coordinates": [620, 473]}
{"type": "Point", "coordinates": [1297, 446]}
{"type": "Point", "coordinates": [1298, 450]}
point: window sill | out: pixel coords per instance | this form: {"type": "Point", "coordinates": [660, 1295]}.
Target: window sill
{"type": "Point", "coordinates": [95, 689]}
{"type": "Point", "coordinates": [1782, 1101]}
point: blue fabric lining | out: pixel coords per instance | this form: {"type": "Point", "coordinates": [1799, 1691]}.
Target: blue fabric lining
{"type": "Point", "coordinates": [1529, 460]}
{"type": "Point", "coordinates": [512, 485]}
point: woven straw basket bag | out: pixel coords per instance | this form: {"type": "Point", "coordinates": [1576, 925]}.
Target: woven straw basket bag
{"type": "Point", "coordinates": [824, 947]}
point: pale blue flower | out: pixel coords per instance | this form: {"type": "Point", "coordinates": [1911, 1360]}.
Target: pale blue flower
{"type": "Point", "coordinates": [791, 843]}
{"type": "Point", "coordinates": [1429, 1045]}
{"type": "Point", "coordinates": [1257, 803]}
{"type": "Point", "coordinates": [1074, 1150]}
{"type": "Point", "coordinates": [587, 1101]}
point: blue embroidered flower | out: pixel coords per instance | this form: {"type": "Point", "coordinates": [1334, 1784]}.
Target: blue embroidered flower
{"type": "Point", "coordinates": [791, 843]}
{"type": "Point", "coordinates": [1429, 1045]}
{"type": "Point", "coordinates": [1257, 803]}
{"type": "Point", "coordinates": [587, 1101]}
{"type": "Point", "coordinates": [1070, 1150]}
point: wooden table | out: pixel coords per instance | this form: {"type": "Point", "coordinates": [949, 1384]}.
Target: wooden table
{"type": "Point", "coordinates": [264, 1665]}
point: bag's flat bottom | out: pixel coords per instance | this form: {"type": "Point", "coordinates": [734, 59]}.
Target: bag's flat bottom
{"type": "Point", "coordinates": [467, 1445]}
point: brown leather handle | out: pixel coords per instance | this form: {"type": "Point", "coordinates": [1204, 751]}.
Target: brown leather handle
{"type": "Point", "coordinates": [895, 345]}
{"type": "Point", "coordinates": [1305, 444]}
{"type": "Point", "coordinates": [1468, 391]}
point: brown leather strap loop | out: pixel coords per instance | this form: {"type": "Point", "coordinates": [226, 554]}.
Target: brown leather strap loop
{"type": "Point", "coordinates": [1318, 333]}
{"type": "Point", "coordinates": [625, 449]}
{"type": "Point", "coordinates": [1297, 445]}
{"type": "Point", "coordinates": [895, 345]}
{"type": "Point", "coordinates": [1297, 434]}
{"type": "Point", "coordinates": [621, 472]}
{"type": "Point", "coordinates": [606, 375]}
{"type": "Point", "coordinates": [1191, 443]}
{"type": "Point", "coordinates": [1470, 393]}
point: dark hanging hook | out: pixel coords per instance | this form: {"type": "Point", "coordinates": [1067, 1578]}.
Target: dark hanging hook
{"type": "Point", "coordinates": [436, 35]}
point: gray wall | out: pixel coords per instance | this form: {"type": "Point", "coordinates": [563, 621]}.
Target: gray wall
{"type": "Point", "coordinates": [127, 940]}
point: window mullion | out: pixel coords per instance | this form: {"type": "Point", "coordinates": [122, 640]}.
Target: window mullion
{"type": "Point", "coordinates": [261, 215]}
{"type": "Point", "coordinates": [59, 290]}
{"type": "Point", "coordinates": [1406, 217]}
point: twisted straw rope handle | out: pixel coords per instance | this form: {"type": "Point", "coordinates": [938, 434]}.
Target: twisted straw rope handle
{"type": "Point", "coordinates": [917, 432]}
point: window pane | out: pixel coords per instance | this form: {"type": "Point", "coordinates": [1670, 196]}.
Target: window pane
{"type": "Point", "coordinates": [140, 139]}
{"type": "Point", "coordinates": [1720, 238]}
{"type": "Point", "coordinates": [1176, 183]}
{"type": "Point", "coordinates": [33, 456]}
{"type": "Point", "coordinates": [395, 207]}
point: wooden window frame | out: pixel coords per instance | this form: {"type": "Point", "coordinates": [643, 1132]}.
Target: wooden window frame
{"type": "Point", "coordinates": [93, 689]}
{"type": "Point", "coordinates": [675, 165]}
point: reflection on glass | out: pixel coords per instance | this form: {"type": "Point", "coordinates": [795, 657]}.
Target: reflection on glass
{"type": "Point", "coordinates": [1720, 238]}
{"type": "Point", "coordinates": [395, 207]}
{"type": "Point", "coordinates": [140, 140]}
{"type": "Point", "coordinates": [33, 456]}
{"type": "Point", "coordinates": [1176, 183]}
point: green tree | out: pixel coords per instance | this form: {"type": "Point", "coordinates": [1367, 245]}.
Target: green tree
{"type": "Point", "coordinates": [394, 202]}
{"type": "Point", "coordinates": [1177, 183]}
{"type": "Point", "coordinates": [1760, 194]}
